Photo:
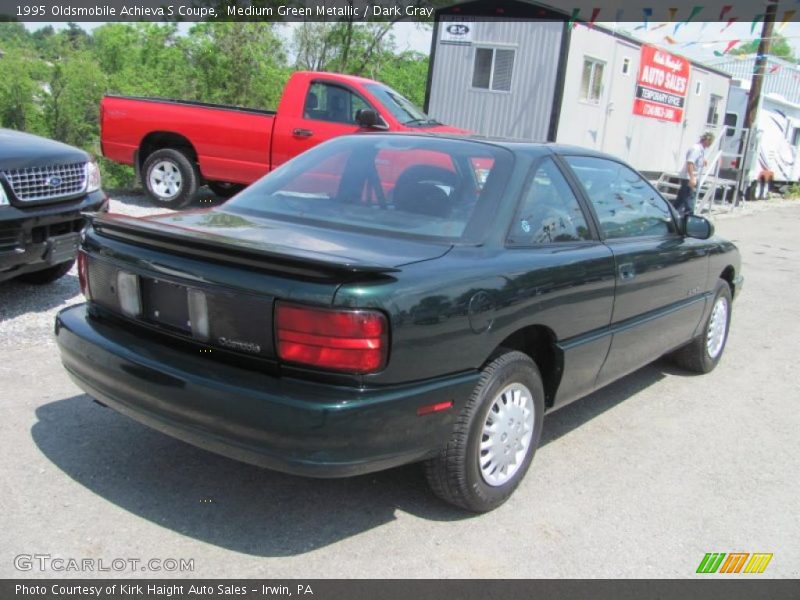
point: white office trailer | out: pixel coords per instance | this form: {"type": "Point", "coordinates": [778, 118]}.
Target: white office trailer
{"type": "Point", "coordinates": [522, 71]}
{"type": "Point", "coordinates": [775, 139]}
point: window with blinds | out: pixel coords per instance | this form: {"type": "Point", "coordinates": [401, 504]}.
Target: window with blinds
{"type": "Point", "coordinates": [493, 69]}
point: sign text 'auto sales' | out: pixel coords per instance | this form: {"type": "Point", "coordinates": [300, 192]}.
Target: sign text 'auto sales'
{"type": "Point", "coordinates": [662, 85]}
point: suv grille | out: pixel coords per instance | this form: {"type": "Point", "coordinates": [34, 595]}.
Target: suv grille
{"type": "Point", "coordinates": [47, 183]}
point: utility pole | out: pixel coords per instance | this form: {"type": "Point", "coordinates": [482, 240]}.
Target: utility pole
{"type": "Point", "coordinates": [756, 84]}
{"type": "Point", "coordinates": [760, 66]}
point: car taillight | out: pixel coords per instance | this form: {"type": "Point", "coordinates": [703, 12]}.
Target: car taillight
{"type": "Point", "coordinates": [83, 275]}
{"type": "Point", "coordinates": [352, 341]}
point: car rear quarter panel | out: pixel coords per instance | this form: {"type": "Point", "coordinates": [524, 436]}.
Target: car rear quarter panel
{"type": "Point", "coordinates": [451, 314]}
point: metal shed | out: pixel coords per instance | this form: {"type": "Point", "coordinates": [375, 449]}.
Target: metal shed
{"type": "Point", "coordinates": [519, 70]}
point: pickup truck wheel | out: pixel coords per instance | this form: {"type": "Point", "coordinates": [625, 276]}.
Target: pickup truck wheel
{"type": "Point", "coordinates": [703, 353]}
{"type": "Point", "coordinates": [494, 438]}
{"type": "Point", "coordinates": [224, 189]}
{"type": "Point", "coordinates": [170, 177]}
{"type": "Point", "coordinates": [48, 275]}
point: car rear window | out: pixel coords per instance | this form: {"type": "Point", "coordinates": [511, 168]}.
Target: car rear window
{"type": "Point", "coordinates": [409, 186]}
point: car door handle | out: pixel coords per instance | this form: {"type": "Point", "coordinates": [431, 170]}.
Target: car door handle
{"type": "Point", "coordinates": [627, 271]}
{"type": "Point", "coordinates": [302, 132]}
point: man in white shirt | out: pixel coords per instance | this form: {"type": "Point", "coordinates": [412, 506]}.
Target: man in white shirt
{"type": "Point", "coordinates": [690, 174]}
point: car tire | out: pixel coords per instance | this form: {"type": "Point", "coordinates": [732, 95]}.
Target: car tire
{"type": "Point", "coordinates": [464, 473]}
{"type": "Point", "coordinates": [704, 352]}
{"type": "Point", "coordinates": [224, 189]}
{"type": "Point", "coordinates": [48, 275]}
{"type": "Point", "coordinates": [170, 178]}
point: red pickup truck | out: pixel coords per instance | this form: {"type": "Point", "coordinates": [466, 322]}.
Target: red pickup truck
{"type": "Point", "coordinates": [176, 146]}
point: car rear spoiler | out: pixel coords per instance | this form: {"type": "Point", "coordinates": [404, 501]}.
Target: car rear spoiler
{"type": "Point", "coordinates": [185, 242]}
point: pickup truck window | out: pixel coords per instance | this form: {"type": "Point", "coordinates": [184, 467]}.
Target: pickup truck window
{"type": "Point", "coordinates": [401, 107]}
{"type": "Point", "coordinates": [626, 204]}
{"type": "Point", "coordinates": [549, 211]}
{"type": "Point", "coordinates": [408, 187]}
{"type": "Point", "coordinates": [327, 102]}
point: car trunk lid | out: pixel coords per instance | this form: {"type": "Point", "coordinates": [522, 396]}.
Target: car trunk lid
{"type": "Point", "coordinates": [212, 277]}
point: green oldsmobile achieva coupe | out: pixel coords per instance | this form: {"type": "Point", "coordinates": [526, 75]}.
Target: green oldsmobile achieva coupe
{"type": "Point", "coordinates": [384, 299]}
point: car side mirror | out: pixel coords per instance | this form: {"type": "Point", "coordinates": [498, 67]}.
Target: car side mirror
{"type": "Point", "coordinates": [698, 227]}
{"type": "Point", "coordinates": [367, 118]}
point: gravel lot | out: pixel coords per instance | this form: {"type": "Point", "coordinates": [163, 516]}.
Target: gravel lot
{"type": "Point", "coordinates": [638, 480]}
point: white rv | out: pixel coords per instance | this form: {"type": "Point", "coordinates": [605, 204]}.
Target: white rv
{"type": "Point", "coordinates": [772, 158]}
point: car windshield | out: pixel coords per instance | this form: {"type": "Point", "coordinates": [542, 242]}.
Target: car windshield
{"type": "Point", "coordinates": [401, 107]}
{"type": "Point", "coordinates": [407, 186]}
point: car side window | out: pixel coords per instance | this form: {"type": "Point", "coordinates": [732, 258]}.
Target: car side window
{"type": "Point", "coordinates": [549, 211]}
{"type": "Point", "coordinates": [326, 102]}
{"type": "Point", "coordinates": [625, 203]}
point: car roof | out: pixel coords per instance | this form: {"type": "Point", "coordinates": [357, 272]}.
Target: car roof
{"type": "Point", "coordinates": [515, 145]}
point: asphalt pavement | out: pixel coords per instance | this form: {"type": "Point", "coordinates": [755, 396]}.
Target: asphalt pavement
{"type": "Point", "coordinates": [640, 479]}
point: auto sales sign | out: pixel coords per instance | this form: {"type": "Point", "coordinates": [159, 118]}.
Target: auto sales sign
{"type": "Point", "coordinates": [662, 85]}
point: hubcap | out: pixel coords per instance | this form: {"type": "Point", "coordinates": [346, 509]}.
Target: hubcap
{"type": "Point", "coordinates": [717, 328]}
{"type": "Point", "coordinates": [165, 180]}
{"type": "Point", "coordinates": [506, 435]}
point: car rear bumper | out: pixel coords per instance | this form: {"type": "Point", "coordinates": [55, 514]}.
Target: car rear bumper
{"type": "Point", "coordinates": [38, 237]}
{"type": "Point", "coordinates": [288, 425]}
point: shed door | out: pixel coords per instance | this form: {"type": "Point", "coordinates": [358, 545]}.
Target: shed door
{"type": "Point", "coordinates": [617, 134]}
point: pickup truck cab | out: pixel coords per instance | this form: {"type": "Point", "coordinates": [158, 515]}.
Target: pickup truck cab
{"type": "Point", "coordinates": [176, 146]}
{"type": "Point", "coordinates": [45, 186]}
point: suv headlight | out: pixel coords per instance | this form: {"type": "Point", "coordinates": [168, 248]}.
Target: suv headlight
{"type": "Point", "coordinates": [3, 196]}
{"type": "Point", "coordinates": [92, 176]}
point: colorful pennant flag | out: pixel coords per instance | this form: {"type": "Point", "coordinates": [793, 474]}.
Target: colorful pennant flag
{"type": "Point", "coordinates": [695, 11]}
{"type": "Point", "coordinates": [725, 10]}
{"type": "Point", "coordinates": [669, 40]}
{"type": "Point", "coordinates": [786, 17]}
{"type": "Point", "coordinates": [730, 22]}
{"type": "Point", "coordinates": [775, 69]}
{"type": "Point", "coordinates": [618, 16]}
{"type": "Point", "coordinates": [595, 12]}
{"type": "Point", "coordinates": [672, 12]}
{"type": "Point", "coordinates": [574, 17]}
{"type": "Point", "coordinates": [646, 13]}
{"type": "Point", "coordinates": [730, 46]}
{"type": "Point", "coordinates": [755, 22]}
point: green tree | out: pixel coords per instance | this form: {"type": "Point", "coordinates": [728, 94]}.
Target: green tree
{"type": "Point", "coordinates": [779, 47]}
{"type": "Point", "coordinates": [407, 73]}
{"type": "Point", "coordinates": [237, 63]}
{"type": "Point", "coordinates": [72, 100]}
{"type": "Point", "coordinates": [146, 59]}
{"type": "Point", "coordinates": [14, 35]}
{"type": "Point", "coordinates": [345, 46]}
{"type": "Point", "coordinates": [17, 92]}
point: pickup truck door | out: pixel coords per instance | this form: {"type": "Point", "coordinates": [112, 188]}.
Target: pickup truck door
{"type": "Point", "coordinates": [661, 275]}
{"type": "Point", "coordinates": [328, 110]}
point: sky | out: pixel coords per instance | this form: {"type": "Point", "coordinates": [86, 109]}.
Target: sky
{"type": "Point", "coordinates": [697, 41]}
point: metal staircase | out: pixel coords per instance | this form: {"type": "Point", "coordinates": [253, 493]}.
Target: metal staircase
{"type": "Point", "coordinates": [715, 193]}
